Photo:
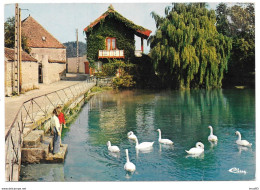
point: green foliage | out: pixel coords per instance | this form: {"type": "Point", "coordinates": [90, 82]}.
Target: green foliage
{"type": "Point", "coordinates": [144, 73]}
{"type": "Point", "coordinates": [241, 29]}
{"type": "Point", "coordinates": [186, 50]}
{"type": "Point", "coordinates": [99, 89]}
{"type": "Point", "coordinates": [99, 74]}
{"type": "Point", "coordinates": [71, 49]}
{"type": "Point", "coordinates": [110, 68]}
{"type": "Point", "coordinates": [222, 13]}
{"type": "Point", "coordinates": [96, 39]}
{"type": "Point", "coordinates": [124, 81]}
{"type": "Point", "coordinates": [9, 29]}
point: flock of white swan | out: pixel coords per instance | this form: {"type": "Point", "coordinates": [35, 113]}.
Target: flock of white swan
{"type": "Point", "coordinates": [130, 167]}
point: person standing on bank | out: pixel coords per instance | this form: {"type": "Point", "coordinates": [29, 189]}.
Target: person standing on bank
{"type": "Point", "coordinates": [56, 126]}
{"type": "Point", "coordinates": [61, 119]}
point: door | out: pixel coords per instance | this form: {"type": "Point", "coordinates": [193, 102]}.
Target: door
{"type": "Point", "coordinates": [86, 67]}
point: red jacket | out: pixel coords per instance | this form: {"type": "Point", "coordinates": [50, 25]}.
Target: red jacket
{"type": "Point", "coordinates": [61, 118]}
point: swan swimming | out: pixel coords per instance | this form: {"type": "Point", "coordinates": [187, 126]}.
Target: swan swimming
{"type": "Point", "coordinates": [196, 150]}
{"type": "Point", "coordinates": [163, 141]}
{"type": "Point", "coordinates": [242, 142]}
{"type": "Point", "coordinates": [143, 145]}
{"type": "Point", "coordinates": [211, 137]}
{"type": "Point", "coordinates": [112, 148]}
{"type": "Point", "coordinates": [129, 166]}
{"type": "Point", "coordinates": [131, 135]}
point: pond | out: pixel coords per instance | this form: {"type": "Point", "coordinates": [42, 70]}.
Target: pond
{"type": "Point", "coordinates": [182, 116]}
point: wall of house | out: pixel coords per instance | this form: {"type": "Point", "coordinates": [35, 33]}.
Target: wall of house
{"type": "Point", "coordinates": [29, 72]}
{"type": "Point", "coordinates": [8, 77]}
{"type": "Point", "coordinates": [72, 64]}
{"type": "Point", "coordinates": [51, 71]}
{"type": "Point", "coordinates": [53, 53]}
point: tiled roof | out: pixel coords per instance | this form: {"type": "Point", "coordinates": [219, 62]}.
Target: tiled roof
{"type": "Point", "coordinates": [139, 30]}
{"type": "Point", "coordinates": [37, 36]}
{"type": "Point", "coordinates": [9, 54]}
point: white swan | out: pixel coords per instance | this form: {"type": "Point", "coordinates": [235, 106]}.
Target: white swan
{"type": "Point", "coordinates": [163, 141]}
{"type": "Point", "coordinates": [129, 166]}
{"type": "Point", "coordinates": [211, 137]}
{"type": "Point", "coordinates": [196, 150]}
{"type": "Point", "coordinates": [143, 145]}
{"type": "Point", "coordinates": [112, 148]}
{"type": "Point", "coordinates": [242, 142]}
{"type": "Point", "coordinates": [131, 135]}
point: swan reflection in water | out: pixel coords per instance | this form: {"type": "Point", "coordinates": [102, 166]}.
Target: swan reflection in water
{"type": "Point", "coordinates": [165, 146]}
{"type": "Point", "coordinates": [213, 144]}
{"type": "Point", "coordinates": [114, 154]}
{"type": "Point", "coordinates": [196, 156]}
{"type": "Point", "coordinates": [145, 151]}
{"type": "Point", "coordinates": [243, 148]}
{"type": "Point", "coordinates": [128, 175]}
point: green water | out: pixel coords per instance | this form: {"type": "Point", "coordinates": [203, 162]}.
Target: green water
{"type": "Point", "coordinates": [182, 116]}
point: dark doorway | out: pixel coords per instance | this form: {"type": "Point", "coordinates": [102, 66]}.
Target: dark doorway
{"type": "Point", "coordinates": [40, 73]}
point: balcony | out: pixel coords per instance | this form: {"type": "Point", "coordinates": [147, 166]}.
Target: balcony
{"type": "Point", "coordinates": [111, 54]}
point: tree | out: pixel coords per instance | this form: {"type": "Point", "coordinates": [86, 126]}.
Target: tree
{"type": "Point", "coordinates": [187, 51]}
{"type": "Point", "coordinates": [9, 29]}
{"type": "Point", "coordinates": [243, 20]}
{"type": "Point", "coordinates": [241, 27]}
{"type": "Point", "coordinates": [222, 13]}
{"type": "Point", "coordinates": [71, 49]}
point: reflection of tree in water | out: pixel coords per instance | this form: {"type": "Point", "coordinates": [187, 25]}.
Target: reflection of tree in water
{"type": "Point", "coordinates": [191, 112]}
{"type": "Point", "coordinates": [118, 113]}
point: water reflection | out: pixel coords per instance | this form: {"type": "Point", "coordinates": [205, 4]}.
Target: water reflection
{"type": "Point", "coordinates": [144, 151]}
{"type": "Point", "coordinates": [165, 147]}
{"type": "Point", "coordinates": [213, 144]}
{"type": "Point", "coordinates": [243, 148]}
{"type": "Point", "coordinates": [114, 154]}
{"type": "Point", "coordinates": [197, 156]}
{"type": "Point", "coordinates": [183, 116]}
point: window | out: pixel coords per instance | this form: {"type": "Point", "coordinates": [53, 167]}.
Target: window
{"type": "Point", "coordinates": [111, 43]}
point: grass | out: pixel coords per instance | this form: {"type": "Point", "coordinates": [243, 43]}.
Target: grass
{"type": "Point", "coordinates": [100, 89]}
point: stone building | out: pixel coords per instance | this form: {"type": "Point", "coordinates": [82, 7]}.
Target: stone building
{"type": "Point", "coordinates": [74, 63]}
{"type": "Point", "coordinates": [29, 72]}
{"type": "Point", "coordinates": [50, 53]}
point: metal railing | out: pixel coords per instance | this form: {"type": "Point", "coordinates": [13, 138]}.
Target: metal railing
{"type": "Point", "coordinates": [31, 113]}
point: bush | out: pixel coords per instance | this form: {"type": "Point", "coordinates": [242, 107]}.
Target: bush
{"type": "Point", "coordinates": [99, 74]}
{"type": "Point", "coordinates": [109, 69]}
{"type": "Point", "coordinates": [124, 81]}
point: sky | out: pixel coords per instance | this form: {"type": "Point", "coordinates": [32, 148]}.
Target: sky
{"type": "Point", "coordinates": [62, 19]}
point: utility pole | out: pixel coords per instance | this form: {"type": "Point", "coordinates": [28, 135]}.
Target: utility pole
{"type": "Point", "coordinates": [17, 52]}
{"type": "Point", "coordinates": [77, 50]}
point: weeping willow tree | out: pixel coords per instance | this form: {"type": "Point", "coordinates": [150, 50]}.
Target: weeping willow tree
{"type": "Point", "coordinates": [186, 50]}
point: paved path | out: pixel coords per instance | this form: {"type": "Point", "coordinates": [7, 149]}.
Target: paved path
{"type": "Point", "coordinates": [12, 104]}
